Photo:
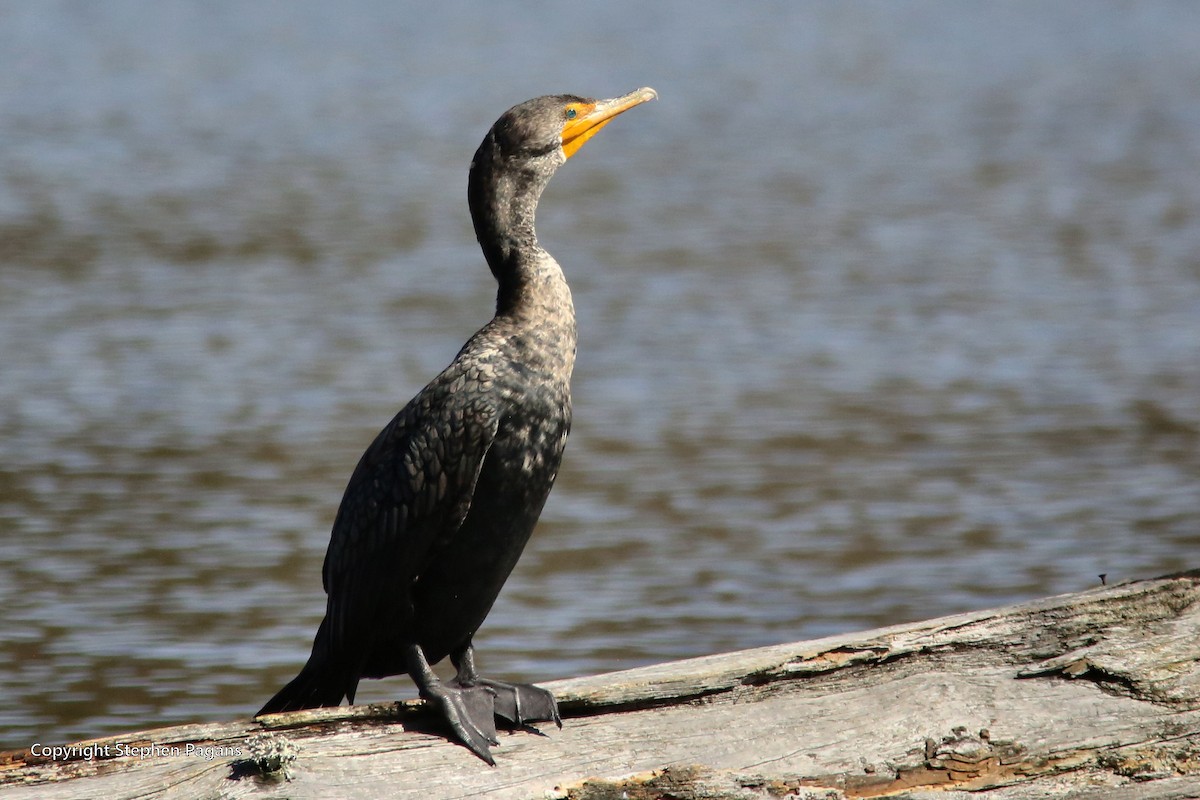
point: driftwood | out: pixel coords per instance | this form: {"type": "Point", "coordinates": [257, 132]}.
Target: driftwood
{"type": "Point", "coordinates": [1095, 694]}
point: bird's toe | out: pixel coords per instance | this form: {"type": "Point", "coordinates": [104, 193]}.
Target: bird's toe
{"type": "Point", "coordinates": [470, 711]}
{"type": "Point", "coordinates": [519, 703]}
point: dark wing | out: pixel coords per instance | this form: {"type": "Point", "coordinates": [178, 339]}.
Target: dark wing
{"type": "Point", "coordinates": [409, 494]}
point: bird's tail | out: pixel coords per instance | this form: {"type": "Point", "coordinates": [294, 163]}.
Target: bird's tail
{"type": "Point", "coordinates": [319, 684]}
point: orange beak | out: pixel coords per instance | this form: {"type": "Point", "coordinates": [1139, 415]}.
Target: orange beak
{"type": "Point", "coordinates": [591, 117]}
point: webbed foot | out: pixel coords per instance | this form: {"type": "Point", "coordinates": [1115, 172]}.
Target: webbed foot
{"type": "Point", "coordinates": [470, 710]}
{"type": "Point", "coordinates": [520, 703]}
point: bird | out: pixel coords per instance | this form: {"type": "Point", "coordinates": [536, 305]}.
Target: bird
{"type": "Point", "coordinates": [440, 506]}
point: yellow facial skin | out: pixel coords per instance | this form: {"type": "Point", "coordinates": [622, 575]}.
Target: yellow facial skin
{"type": "Point", "coordinates": [584, 119]}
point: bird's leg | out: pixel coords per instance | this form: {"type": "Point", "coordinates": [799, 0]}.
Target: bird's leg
{"type": "Point", "coordinates": [470, 710]}
{"type": "Point", "coordinates": [518, 703]}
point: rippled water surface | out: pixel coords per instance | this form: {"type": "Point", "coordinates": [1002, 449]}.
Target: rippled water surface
{"type": "Point", "coordinates": [886, 311]}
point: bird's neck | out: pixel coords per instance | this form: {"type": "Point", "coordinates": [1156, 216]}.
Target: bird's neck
{"type": "Point", "coordinates": [534, 293]}
{"type": "Point", "coordinates": [504, 226]}
{"type": "Point", "coordinates": [503, 205]}
{"type": "Point", "coordinates": [535, 316]}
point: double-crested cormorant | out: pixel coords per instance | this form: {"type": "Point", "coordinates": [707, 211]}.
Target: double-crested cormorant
{"type": "Point", "coordinates": [442, 503]}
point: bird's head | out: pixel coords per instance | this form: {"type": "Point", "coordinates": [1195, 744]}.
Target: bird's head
{"type": "Point", "coordinates": [519, 155]}
{"type": "Point", "coordinates": [561, 122]}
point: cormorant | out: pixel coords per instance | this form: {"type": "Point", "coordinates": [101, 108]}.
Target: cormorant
{"type": "Point", "coordinates": [441, 504]}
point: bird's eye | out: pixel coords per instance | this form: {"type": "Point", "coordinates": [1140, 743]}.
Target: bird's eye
{"type": "Point", "coordinates": [571, 113]}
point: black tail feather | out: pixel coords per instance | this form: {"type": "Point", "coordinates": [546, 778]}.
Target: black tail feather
{"type": "Point", "coordinates": [315, 687]}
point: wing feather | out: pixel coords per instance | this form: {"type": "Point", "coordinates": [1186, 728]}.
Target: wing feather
{"type": "Point", "coordinates": [408, 495]}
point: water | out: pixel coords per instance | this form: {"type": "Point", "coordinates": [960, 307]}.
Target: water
{"type": "Point", "coordinates": [886, 312]}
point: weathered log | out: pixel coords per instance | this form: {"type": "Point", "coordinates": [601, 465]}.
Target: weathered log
{"type": "Point", "coordinates": [1088, 694]}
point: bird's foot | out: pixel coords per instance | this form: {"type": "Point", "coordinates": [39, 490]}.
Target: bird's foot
{"type": "Point", "coordinates": [519, 703]}
{"type": "Point", "coordinates": [471, 711]}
